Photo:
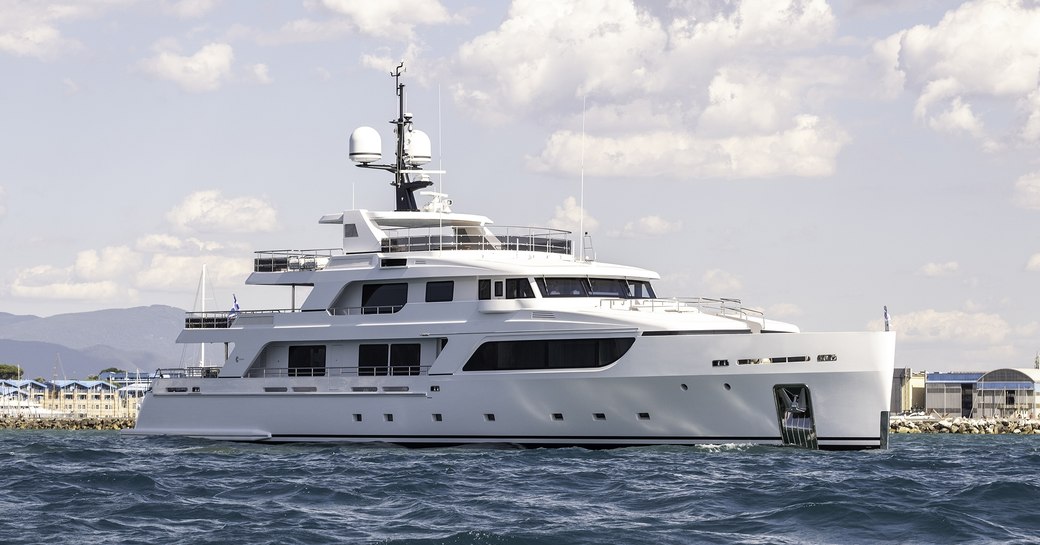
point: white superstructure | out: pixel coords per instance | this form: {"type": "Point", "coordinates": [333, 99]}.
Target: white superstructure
{"type": "Point", "coordinates": [429, 327]}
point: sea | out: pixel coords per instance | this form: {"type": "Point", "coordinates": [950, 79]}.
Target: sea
{"type": "Point", "coordinates": [99, 487]}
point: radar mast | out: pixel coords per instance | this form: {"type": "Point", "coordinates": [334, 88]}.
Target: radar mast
{"type": "Point", "coordinates": [412, 150]}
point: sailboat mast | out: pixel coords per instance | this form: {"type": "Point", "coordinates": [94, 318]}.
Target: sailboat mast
{"type": "Point", "coordinates": [202, 351]}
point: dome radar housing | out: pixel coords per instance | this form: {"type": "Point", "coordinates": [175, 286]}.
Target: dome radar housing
{"type": "Point", "coordinates": [418, 149]}
{"type": "Point", "coordinates": [366, 146]}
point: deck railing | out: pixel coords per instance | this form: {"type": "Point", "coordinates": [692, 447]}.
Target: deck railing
{"type": "Point", "coordinates": [709, 305]}
{"type": "Point", "coordinates": [506, 238]}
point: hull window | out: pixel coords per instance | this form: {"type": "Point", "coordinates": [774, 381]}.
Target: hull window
{"type": "Point", "coordinates": [547, 354]}
{"type": "Point", "coordinates": [307, 361]}
{"type": "Point", "coordinates": [795, 413]}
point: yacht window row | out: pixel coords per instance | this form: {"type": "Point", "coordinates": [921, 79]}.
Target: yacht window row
{"type": "Point", "coordinates": [547, 354]}
{"type": "Point", "coordinates": [391, 297]}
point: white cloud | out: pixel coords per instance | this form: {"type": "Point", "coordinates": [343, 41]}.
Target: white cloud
{"type": "Point", "coordinates": [808, 147]}
{"type": "Point", "coordinates": [981, 49]}
{"type": "Point", "coordinates": [1027, 191]}
{"type": "Point", "coordinates": [939, 269]}
{"type": "Point", "coordinates": [569, 217]}
{"type": "Point", "coordinates": [181, 273]}
{"type": "Point", "coordinates": [209, 211]}
{"type": "Point", "coordinates": [260, 74]}
{"type": "Point", "coordinates": [109, 263]}
{"type": "Point", "coordinates": [204, 71]}
{"type": "Point", "coordinates": [189, 9]}
{"type": "Point", "coordinates": [949, 326]}
{"type": "Point", "coordinates": [47, 282]}
{"type": "Point", "coordinates": [389, 19]}
{"type": "Point", "coordinates": [1033, 264]}
{"type": "Point", "coordinates": [712, 92]}
{"type": "Point", "coordinates": [649, 226]}
{"type": "Point", "coordinates": [720, 283]}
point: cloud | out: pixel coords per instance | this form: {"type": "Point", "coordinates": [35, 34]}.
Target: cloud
{"type": "Point", "coordinates": [189, 9]}
{"type": "Point", "coordinates": [969, 55]}
{"type": "Point", "coordinates": [204, 71]}
{"type": "Point", "coordinates": [950, 326]}
{"type": "Point", "coordinates": [180, 273]}
{"type": "Point", "coordinates": [1027, 191]}
{"type": "Point", "coordinates": [29, 29]}
{"type": "Point", "coordinates": [1033, 264]}
{"type": "Point", "coordinates": [808, 147]}
{"type": "Point", "coordinates": [939, 269]}
{"type": "Point", "coordinates": [649, 226]}
{"type": "Point", "coordinates": [260, 74]}
{"type": "Point", "coordinates": [109, 263]}
{"type": "Point", "coordinates": [706, 90]}
{"type": "Point", "coordinates": [569, 217]}
{"type": "Point", "coordinates": [720, 282]}
{"type": "Point", "coordinates": [393, 20]}
{"type": "Point", "coordinates": [209, 211]}
{"type": "Point", "coordinates": [47, 282]}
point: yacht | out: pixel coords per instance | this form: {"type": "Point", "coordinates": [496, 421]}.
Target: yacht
{"type": "Point", "coordinates": [429, 327]}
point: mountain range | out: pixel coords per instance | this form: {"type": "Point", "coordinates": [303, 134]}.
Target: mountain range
{"type": "Point", "coordinates": [79, 345]}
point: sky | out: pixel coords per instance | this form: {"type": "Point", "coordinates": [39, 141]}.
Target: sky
{"type": "Point", "coordinates": [817, 160]}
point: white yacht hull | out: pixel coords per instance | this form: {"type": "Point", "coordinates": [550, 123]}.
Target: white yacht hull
{"type": "Point", "coordinates": [665, 390]}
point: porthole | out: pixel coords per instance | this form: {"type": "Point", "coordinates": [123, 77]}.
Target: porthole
{"type": "Point", "coordinates": [357, 417]}
{"type": "Point", "coordinates": [726, 386]}
{"type": "Point", "coordinates": [644, 416]}
{"type": "Point", "coordinates": [438, 417]}
{"type": "Point", "coordinates": [599, 416]}
{"type": "Point", "coordinates": [490, 417]}
{"type": "Point", "coordinates": [684, 387]}
{"type": "Point", "coordinates": [557, 416]}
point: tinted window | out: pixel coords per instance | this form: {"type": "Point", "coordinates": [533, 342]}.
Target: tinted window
{"type": "Point", "coordinates": [484, 289]}
{"type": "Point", "coordinates": [640, 289]}
{"type": "Point", "coordinates": [547, 354]}
{"type": "Point", "coordinates": [437, 292]}
{"type": "Point", "coordinates": [562, 287]}
{"type": "Point", "coordinates": [307, 361]}
{"type": "Point", "coordinates": [608, 287]}
{"type": "Point", "coordinates": [518, 288]}
{"type": "Point", "coordinates": [380, 298]}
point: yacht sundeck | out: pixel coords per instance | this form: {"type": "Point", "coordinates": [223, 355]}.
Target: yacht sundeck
{"type": "Point", "coordinates": [430, 327]}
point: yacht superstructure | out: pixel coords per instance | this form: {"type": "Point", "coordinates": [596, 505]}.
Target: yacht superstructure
{"type": "Point", "coordinates": [430, 327]}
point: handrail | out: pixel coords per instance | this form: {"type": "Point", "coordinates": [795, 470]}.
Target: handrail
{"type": "Point", "coordinates": [506, 238]}
{"type": "Point", "coordinates": [294, 260]}
{"type": "Point", "coordinates": [721, 306]}
{"type": "Point", "coordinates": [286, 372]}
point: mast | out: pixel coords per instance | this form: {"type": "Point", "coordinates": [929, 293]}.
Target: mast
{"type": "Point", "coordinates": [412, 150]}
{"type": "Point", "coordinates": [202, 351]}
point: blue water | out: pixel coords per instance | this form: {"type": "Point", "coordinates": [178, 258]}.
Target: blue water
{"type": "Point", "coordinates": [98, 487]}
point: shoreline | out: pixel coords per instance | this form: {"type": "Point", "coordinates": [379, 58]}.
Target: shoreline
{"type": "Point", "coordinates": [71, 423]}
{"type": "Point", "coordinates": [961, 425]}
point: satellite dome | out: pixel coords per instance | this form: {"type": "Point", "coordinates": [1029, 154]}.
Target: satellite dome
{"type": "Point", "coordinates": [365, 145]}
{"type": "Point", "coordinates": [417, 148]}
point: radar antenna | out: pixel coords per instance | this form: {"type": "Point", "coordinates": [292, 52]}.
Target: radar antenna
{"type": "Point", "coordinates": [412, 150]}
